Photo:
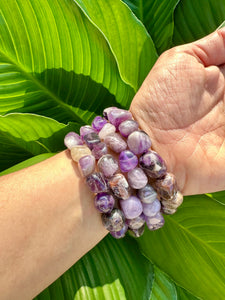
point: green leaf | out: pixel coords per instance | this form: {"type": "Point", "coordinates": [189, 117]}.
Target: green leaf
{"type": "Point", "coordinates": [191, 247]}
{"type": "Point", "coordinates": [218, 196]}
{"type": "Point", "coordinates": [23, 136]}
{"type": "Point", "coordinates": [157, 16]}
{"type": "Point", "coordinates": [56, 62]}
{"type": "Point", "coordinates": [195, 19]}
{"type": "Point", "coordinates": [131, 44]}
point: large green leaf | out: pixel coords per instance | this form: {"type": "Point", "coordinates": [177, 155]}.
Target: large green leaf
{"type": "Point", "coordinates": [56, 62]}
{"type": "Point", "coordinates": [195, 19]}
{"type": "Point", "coordinates": [132, 46]}
{"type": "Point", "coordinates": [23, 136]}
{"type": "Point", "coordinates": [157, 16]}
{"type": "Point", "coordinates": [191, 247]}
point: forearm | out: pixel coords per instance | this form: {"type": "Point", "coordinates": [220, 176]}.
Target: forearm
{"type": "Point", "coordinates": [48, 221]}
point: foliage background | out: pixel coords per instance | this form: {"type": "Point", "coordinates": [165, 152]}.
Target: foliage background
{"type": "Point", "coordinates": [61, 63]}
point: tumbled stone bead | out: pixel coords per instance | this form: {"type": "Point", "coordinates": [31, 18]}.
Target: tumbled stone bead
{"type": "Point", "coordinates": [98, 123]}
{"type": "Point", "coordinates": [99, 150]}
{"type": "Point", "coordinates": [86, 165]}
{"type": "Point", "coordinates": [127, 161]}
{"type": "Point", "coordinates": [85, 130]}
{"type": "Point", "coordinates": [107, 110]}
{"type": "Point", "coordinates": [153, 165]}
{"type": "Point", "coordinates": [114, 221]}
{"type": "Point", "coordinates": [137, 232]}
{"type": "Point", "coordinates": [150, 209]}
{"type": "Point", "coordinates": [115, 142]}
{"type": "Point", "coordinates": [91, 139]}
{"type": "Point", "coordinates": [168, 204]}
{"type": "Point", "coordinates": [166, 186]}
{"type": "Point", "coordinates": [168, 210]}
{"type": "Point", "coordinates": [147, 194]}
{"type": "Point", "coordinates": [121, 233]}
{"type": "Point", "coordinates": [177, 199]}
{"type": "Point", "coordinates": [138, 142]}
{"type": "Point", "coordinates": [119, 186]}
{"type": "Point", "coordinates": [104, 202]}
{"type": "Point", "coordinates": [97, 183]}
{"type": "Point", "coordinates": [136, 222]}
{"type": "Point", "coordinates": [72, 139]}
{"type": "Point", "coordinates": [155, 222]}
{"type": "Point", "coordinates": [117, 116]}
{"type": "Point", "coordinates": [131, 207]}
{"type": "Point", "coordinates": [106, 130]}
{"type": "Point", "coordinates": [137, 178]}
{"type": "Point", "coordinates": [108, 165]}
{"type": "Point", "coordinates": [79, 151]}
{"type": "Point", "coordinates": [127, 127]}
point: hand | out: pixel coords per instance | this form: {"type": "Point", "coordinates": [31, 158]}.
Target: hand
{"type": "Point", "coordinates": [181, 105]}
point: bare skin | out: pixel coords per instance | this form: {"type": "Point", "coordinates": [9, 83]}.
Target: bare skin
{"type": "Point", "coordinates": [47, 215]}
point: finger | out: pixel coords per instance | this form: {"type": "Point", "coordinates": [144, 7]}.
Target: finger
{"type": "Point", "coordinates": [210, 50]}
{"type": "Point", "coordinates": [222, 69]}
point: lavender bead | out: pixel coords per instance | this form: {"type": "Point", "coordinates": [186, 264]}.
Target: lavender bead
{"type": "Point", "coordinates": [119, 186]}
{"type": "Point", "coordinates": [97, 183]}
{"type": "Point", "coordinates": [72, 139]}
{"type": "Point", "coordinates": [107, 110]}
{"type": "Point", "coordinates": [106, 130]}
{"type": "Point", "coordinates": [85, 130]}
{"type": "Point", "coordinates": [137, 232]}
{"type": "Point", "coordinates": [138, 142]}
{"type": "Point", "coordinates": [86, 165]}
{"type": "Point", "coordinates": [121, 233]}
{"type": "Point", "coordinates": [147, 194]}
{"type": "Point", "coordinates": [150, 209]}
{"type": "Point", "coordinates": [132, 207]}
{"type": "Point", "coordinates": [177, 199]}
{"type": "Point", "coordinates": [137, 222]}
{"type": "Point", "coordinates": [98, 123]}
{"type": "Point", "coordinates": [114, 221]}
{"type": "Point", "coordinates": [99, 150]}
{"type": "Point", "coordinates": [153, 165]}
{"type": "Point", "coordinates": [155, 222]}
{"type": "Point", "coordinates": [167, 186]}
{"type": "Point", "coordinates": [115, 142]}
{"type": "Point", "coordinates": [91, 139]}
{"type": "Point", "coordinates": [137, 178]}
{"type": "Point", "coordinates": [127, 127]}
{"type": "Point", "coordinates": [117, 116]}
{"type": "Point", "coordinates": [127, 161]}
{"type": "Point", "coordinates": [168, 210]}
{"type": "Point", "coordinates": [104, 202]}
{"type": "Point", "coordinates": [108, 165]}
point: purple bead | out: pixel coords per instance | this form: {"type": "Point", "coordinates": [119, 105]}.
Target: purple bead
{"type": "Point", "coordinates": [121, 233]}
{"type": "Point", "coordinates": [85, 130]}
{"type": "Point", "coordinates": [127, 127]}
{"type": "Point", "coordinates": [106, 130]}
{"type": "Point", "coordinates": [166, 186]}
{"type": "Point", "coordinates": [117, 116]}
{"type": "Point", "coordinates": [119, 186]}
{"type": "Point", "coordinates": [153, 165]}
{"type": "Point", "coordinates": [132, 207]}
{"type": "Point", "coordinates": [114, 221]}
{"type": "Point", "coordinates": [91, 139]}
{"type": "Point", "coordinates": [86, 165]}
{"type": "Point", "coordinates": [72, 139]}
{"type": "Point", "coordinates": [150, 209]}
{"type": "Point", "coordinates": [107, 110]}
{"type": "Point", "coordinates": [147, 194]}
{"type": "Point", "coordinates": [137, 222]}
{"type": "Point", "coordinates": [155, 222]}
{"type": "Point", "coordinates": [127, 161]}
{"type": "Point", "coordinates": [104, 202]}
{"type": "Point", "coordinates": [97, 183]}
{"type": "Point", "coordinates": [108, 165]}
{"type": "Point", "coordinates": [138, 142]}
{"type": "Point", "coordinates": [98, 123]}
{"type": "Point", "coordinates": [99, 150]}
{"type": "Point", "coordinates": [115, 142]}
{"type": "Point", "coordinates": [137, 178]}
{"type": "Point", "coordinates": [137, 232]}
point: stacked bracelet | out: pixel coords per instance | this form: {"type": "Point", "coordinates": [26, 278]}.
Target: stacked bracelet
{"type": "Point", "coordinates": [130, 181]}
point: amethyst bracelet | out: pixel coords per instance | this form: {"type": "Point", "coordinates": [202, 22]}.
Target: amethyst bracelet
{"type": "Point", "coordinates": [132, 186]}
